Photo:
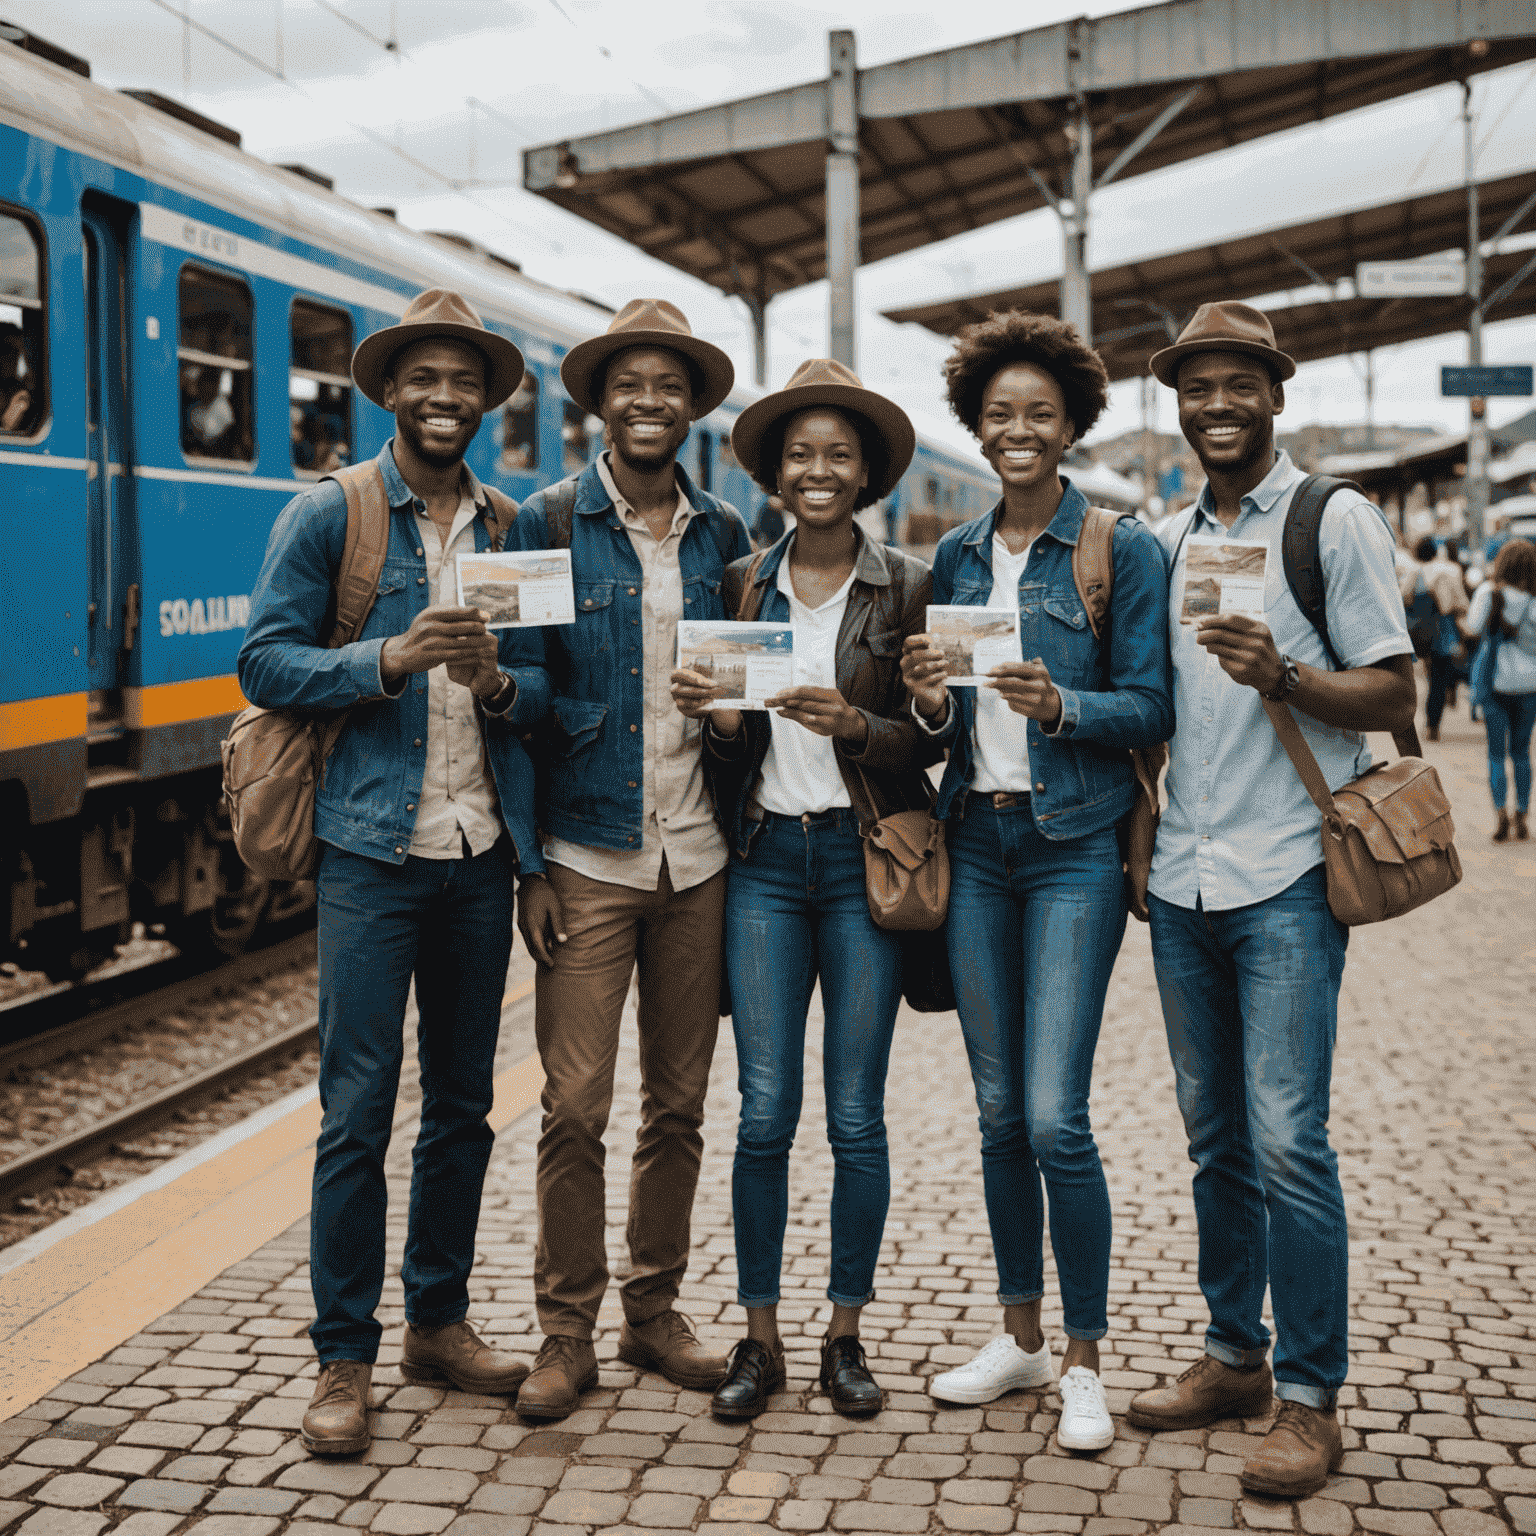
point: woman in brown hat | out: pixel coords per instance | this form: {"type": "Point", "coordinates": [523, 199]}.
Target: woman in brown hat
{"type": "Point", "coordinates": [794, 785]}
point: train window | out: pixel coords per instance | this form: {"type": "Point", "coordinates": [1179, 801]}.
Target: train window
{"type": "Point", "coordinates": [214, 361]}
{"type": "Point", "coordinates": [706, 461]}
{"type": "Point", "coordinates": [520, 426]}
{"type": "Point", "coordinates": [23, 388]}
{"type": "Point", "coordinates": [576, 432]}
{"type": "Point", "coordinates": [931, 490]}
{"type": "Point", "coordinates": [319, 388]}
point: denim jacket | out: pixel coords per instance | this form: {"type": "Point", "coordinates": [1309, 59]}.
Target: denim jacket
{"type": "Point", "coordinates": [368, 795]}
{"type": "Point", "coordinates": [590, 783]}
{"type": "Point", "coordinates": [1116, 693]}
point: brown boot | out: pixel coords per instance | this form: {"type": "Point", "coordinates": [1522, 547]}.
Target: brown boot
{"type": "Point", "coordinates": [1302, 1447]}
{"type": "Point", "coordinates": [1521, 830]}
{"type": "Point", "coordinates": [454, 1356]}
{"type": "Point", "coordinates": [1206, 1393]}
{"type": "Point", "coordinates": [564, 1370]}
{"type": "Point", "coordinates": [337, 1421]}
{"type": "Point", "coordinates": [1501, 832]}
{"type": "Point", "coordinates": [668, 1345]}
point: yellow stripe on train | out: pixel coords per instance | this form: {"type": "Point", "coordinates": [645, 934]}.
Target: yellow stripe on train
{"type": "Point", "coordinates": [34, 722]}
{"type": "Point", "coordinates": [173, 703]}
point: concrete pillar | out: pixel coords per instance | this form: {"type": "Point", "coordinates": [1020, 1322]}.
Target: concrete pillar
{"type": "Point", "coordinates": [757, 307]}
{"type": "Point", "coordinates": [1477, 424]}
{"type": "Point", "coordinates": [842, 197]}
{"type": "Point", "coordinates": [1076, 304]}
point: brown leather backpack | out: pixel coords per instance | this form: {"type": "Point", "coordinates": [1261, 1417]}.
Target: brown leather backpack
{"type": "Point", "coordinates": [274, 759]}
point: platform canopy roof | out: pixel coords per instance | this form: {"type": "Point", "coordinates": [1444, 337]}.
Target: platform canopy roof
{"type": "Point", "coordinates": [951, 141]}
{"type": "Point", "coordinates": [1141, 306]}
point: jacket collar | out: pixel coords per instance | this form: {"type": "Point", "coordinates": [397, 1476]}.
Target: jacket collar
{"type": "Point", "coordinates": [1064, 527]}
{"type": "Point", "coordinates": [399, 494]}
{"type": "Point", "coordinates": [871, 565]}
{"type": "Point", "coordinates": [592, 495]}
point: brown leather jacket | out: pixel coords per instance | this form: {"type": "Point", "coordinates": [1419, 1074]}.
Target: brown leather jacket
{"type": "Point", "coordinates": [888, 602]}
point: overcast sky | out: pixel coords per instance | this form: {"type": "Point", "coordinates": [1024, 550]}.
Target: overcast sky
{"type": "Point", "coordinates": [552, 69]}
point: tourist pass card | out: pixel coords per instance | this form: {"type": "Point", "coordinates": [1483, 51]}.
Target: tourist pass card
{"type": "Point", "coordinates": [519, 588]}
{"type": "Point", "coordinates": [974, 640]}
{"type": "Point", "coordinates": [747, 663]}
{"type": "Point", "coordinates": [1223, 576]}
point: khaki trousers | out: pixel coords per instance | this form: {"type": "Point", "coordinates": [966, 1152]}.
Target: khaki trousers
{"type": "Point", "coordinates": [675, 937]}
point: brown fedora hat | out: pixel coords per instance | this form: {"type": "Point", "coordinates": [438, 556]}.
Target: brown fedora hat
{"type": "Point", "coordinates": [647, 323]}
{"type": "Point", "coordinates": [1225, 326]}
{"type": "Point", "coordinates": [823, 381]}
{"type": "Point", "coordinates": [437, 312]}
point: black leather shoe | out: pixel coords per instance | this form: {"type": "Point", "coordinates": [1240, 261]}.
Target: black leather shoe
{"type": "Point", "coordinates": [846, 1380]}
{"type": "Point", "coordinates": [752, 1377]}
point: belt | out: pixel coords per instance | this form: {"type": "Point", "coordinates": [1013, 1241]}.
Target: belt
{"type": "Point", "coordinates": [809, 818]}
{"type": "Point", "coordinates": [1001, 799]}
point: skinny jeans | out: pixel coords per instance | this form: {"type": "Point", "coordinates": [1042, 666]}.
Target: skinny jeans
{"type": "Point", "coordinates": [1510, 718]}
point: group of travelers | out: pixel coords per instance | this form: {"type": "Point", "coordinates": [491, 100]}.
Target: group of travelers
{"type": "Point", "coordinates": [721, 854]}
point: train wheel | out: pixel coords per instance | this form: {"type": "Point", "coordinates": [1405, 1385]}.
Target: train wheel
{"type": "Point", "coordinates": [237, 910]}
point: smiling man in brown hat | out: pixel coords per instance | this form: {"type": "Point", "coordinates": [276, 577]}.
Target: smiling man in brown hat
{"type": "Point", "coordinates": [636, 860]}
{"type": "Point", "coordinates": [1249, 958]}
{"type": "Point", "coordinates": [424, 813]}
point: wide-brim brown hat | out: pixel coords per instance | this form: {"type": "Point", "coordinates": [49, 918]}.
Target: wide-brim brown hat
{"type": "Point", "coordinates": [437, 312]}
{"type": "Point", "coordinates": [1224, 326]}
{"type": "Point", "coordinates": [647, 323]}
{"type": "Point", "coordinates": [824, 381]}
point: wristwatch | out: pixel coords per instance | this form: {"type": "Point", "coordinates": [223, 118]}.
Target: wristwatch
{"type": "Point", "coordinates": [497, 702]}
{"type": "Point", "coordinates": [1290, 679]}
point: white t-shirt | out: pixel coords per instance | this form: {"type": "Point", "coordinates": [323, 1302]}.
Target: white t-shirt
{"type": "Point", "coordinates": [1001, 737]}
{"type": "Point", "coordinates": [1514, 669]}
{"type": "Point", "coordinates": [800, 772]}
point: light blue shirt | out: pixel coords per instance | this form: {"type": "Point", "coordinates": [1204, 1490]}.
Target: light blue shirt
{"type": "Point", "coordinates": [1239, 826]}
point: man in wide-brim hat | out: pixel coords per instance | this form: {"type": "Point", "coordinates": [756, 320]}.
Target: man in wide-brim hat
{"type": "Point", "coordinates": [1249, 958]}
{"type": "Point", "coordinates": [634, 859]}
{"type": "Point", "coordinates": [424, 812]}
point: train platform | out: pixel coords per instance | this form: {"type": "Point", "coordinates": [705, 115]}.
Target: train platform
{"type": "Point", "coordinates": [156, 1366]}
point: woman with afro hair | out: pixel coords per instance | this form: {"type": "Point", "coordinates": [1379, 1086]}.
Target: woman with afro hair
{"type": "Point", "coordinates": [1039, 776]}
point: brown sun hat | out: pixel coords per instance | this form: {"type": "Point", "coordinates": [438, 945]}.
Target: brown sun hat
{"type": "Point", "coordinates": [437, 312]}
{"type": "Point", "coordinates": [1225, 326]}
{"type": "Point", "coordinates": [823, 381]}
{"type": "Point", "coordinates": [647, 323]}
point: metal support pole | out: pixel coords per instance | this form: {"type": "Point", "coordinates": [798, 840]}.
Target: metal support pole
{"type": "Point", "coordinates": [1075, 300]}
{"type": "Point", "coordinates": [1477, 425]}
{"type": "Point", "coordinates": [757, 307]}
{"type": "Point", "coordinates": [1370, 399]}
{"type": "Point", "coordinates": [842, 197]}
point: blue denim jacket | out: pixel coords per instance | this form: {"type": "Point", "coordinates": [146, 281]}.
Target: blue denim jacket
{"type": "Point", "coordinates": [591, 785]}
{"type": "Point", "coordinates": [367, 799]}
{"type": "Point", "coordinates": [1116, 693]}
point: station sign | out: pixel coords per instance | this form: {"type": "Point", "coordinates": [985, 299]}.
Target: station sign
{"type": "Point", "coordinates": [1410, 279]}
{"type": "Point", "coordinates": [1481, 382]}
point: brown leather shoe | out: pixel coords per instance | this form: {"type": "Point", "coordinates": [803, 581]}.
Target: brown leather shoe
{"type": "Point", "coordinates": [1207, 1392]}
{"type": "Point", "coordinates": [337, 1421]}
{"type": "Point", "coordinates": [455, 1356]}
{"type": "Point", "coordinates": [668, 1345]}
{"type": "Point", "coordinates": [564, 1370]}
{"type": "Point", "coordinates": [1302, 1447]}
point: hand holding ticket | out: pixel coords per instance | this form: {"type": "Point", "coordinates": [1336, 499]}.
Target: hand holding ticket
{"type": "Point", "coordinates": [973, 640]}
{"type": "Point", "coordinates": [518, 588]}
{"type": "Point", "coordinates": [1223, 576]}
{"type": "Point", "coordinates": [745, 664]}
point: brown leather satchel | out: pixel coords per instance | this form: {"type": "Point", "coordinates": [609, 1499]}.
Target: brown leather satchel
{"type": "Point", "coordinates": [1387, 836]}
{"type": "Point", "coordinates": [906, 871]}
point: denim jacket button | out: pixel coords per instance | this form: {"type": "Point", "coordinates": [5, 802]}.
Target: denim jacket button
{"type": "Point", "coordinates": [398, 848]}
{"type": "Point", "coordinates": [588, 603]}
{"type": "Point", "coordinates": [1039, 789]}
{"type": "Point", "coordinates": [421, 581]}
{"type": "Point", "coordinates": [634, 728]}
{"type": "Point", "coordinates": [632, 591]}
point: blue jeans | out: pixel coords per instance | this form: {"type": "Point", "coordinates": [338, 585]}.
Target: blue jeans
{"type": "Point", "coordinates": [448, 921]}
{"type": "Point", "coordinates": [1250, 999]}
{"type": "Point", "coordinates": [1510, 718]}
{"type": "Point", "coordinates": [1034, 928]}
{"type": "Point", "coordinates": [795, 906]}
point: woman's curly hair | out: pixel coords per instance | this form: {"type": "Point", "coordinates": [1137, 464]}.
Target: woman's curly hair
{"type": "Point", "coordinates": [984, 349]}
{"type": "Point", "coordinates": [877, 457]}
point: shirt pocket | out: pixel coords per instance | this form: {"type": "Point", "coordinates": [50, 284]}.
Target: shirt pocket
{"type": "Point", "coordinates": [1069, 647]}
{"type": "Point", "coordinates": [701, 599]}
{"type": "Point", "coordinates": [593, 630]}
{"type": "Point", "coordinates": [392, 609]}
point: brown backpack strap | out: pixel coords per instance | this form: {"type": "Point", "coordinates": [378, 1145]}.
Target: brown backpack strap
{"type": "Point", "coordinates": [1093, 564]}
{"type": "Point", "coordinates": [751, 599]}
{"type": "Point", "coordinates": [362, 559]}
{"type": "Point", "coordinates": [503, 513]}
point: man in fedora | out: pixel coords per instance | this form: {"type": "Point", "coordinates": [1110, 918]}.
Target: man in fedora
{"type": "Point", "coordinates": [424, 814]}
{"type": "Point", "coordinates": [1249, 958]}
{"type": "Point", "coordinates": [635, 858]}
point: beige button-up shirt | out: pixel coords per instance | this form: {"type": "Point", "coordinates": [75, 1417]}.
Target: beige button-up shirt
{"type": "Point", "coordinates": [458, 793]}
{"type": "Point", "coordinates": [679, 825]}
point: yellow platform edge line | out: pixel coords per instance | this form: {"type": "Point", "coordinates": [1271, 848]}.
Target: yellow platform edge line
{"type": "Point", "coordinates": [78, 1300]}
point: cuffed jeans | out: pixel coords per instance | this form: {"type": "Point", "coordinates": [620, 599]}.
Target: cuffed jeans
{"type": "Point", "coordinates": [448, 922]}
{"type": "Point", "coordinates": [796, 906]}
{"type": "Point", "coordinates": [1250, 998]}
{"type": "Point", "coordinates": [1510, 719]}
{"type": "Point", "coordinates": [1034, 928]}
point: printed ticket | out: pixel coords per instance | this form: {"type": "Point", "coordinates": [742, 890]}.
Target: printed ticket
{"type": "Point", "coordinates": [747, 663]}
{"type": "Point", "coordinates": [974, 640]}
{"type": "Point", "coordinates": [519, 588]}
{"type": "Point", "coordinates": [1223, 576]}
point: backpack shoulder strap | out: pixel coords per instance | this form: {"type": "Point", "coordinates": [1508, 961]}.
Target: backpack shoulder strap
{"type": "Point", "coordinates": [751, 599]}
{"type": "Point", "coordinates": [560, 512]}
{"type": "Point", "coordinates": [1300, 554]}
{"type": "Point", "coordinates": [503, 514]}
{"type": "Point", "coordinates": [1093, 564]}
{"type": "Point", "coordinates": [362, 559]}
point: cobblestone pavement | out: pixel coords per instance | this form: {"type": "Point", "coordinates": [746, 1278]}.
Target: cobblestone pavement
{"type": "Point", "coordinates": [192, 1423]}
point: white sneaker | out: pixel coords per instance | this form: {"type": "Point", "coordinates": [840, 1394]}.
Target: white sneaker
{"type": "Point", "coordinates": [1000, 1367]}
{"type": "Point", "coordinates": [1085, 1422]}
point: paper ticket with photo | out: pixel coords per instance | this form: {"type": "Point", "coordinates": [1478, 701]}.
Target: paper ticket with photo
{"type": "Point", "coordinates": [1223, 576]}
{"type": "Point", "coordinates": [974, 640]}
{"type": "Point", "coordinates": [747, 663]}
{"type": "Point", "coordinates": [519, 588]}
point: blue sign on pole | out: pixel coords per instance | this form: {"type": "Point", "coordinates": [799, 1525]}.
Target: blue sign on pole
{"type": "Point", "coordinates": [1495, 379]}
